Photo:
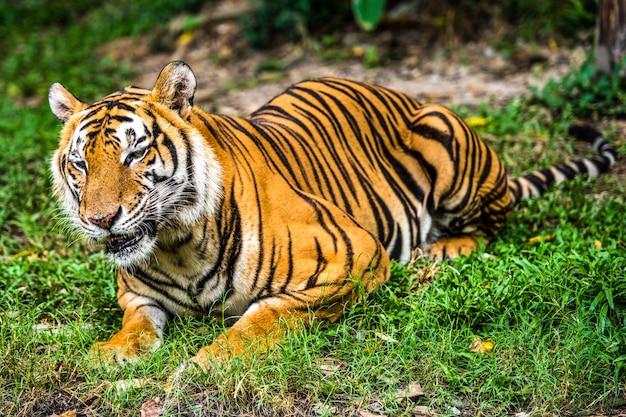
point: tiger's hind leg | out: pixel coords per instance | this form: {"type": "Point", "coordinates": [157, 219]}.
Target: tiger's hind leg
{"type": "Point", "coordinates": [467, 228]}
{"type": "Point", "coordinates": [469, 197]}
{"type": "Point", "coordinates": [452, 247]}
{"type": "Point", "coordinates": [461, 235]}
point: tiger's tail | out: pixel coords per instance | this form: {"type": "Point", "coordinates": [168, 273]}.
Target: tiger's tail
{"type": "Point", "coordinates": [538, 182]}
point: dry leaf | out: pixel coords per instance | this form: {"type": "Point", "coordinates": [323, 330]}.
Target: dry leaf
{"type": "Point", "coordinates": [413, 390]}
{"type": "Point", "coordinates": [386, 338]}
{"type": "Point", "coordinates": [420, 411]}
{"type": "Point", "coordinates": [321, 409]}
{"type": "Point", "coordinates": [329, 366]}
{"type": "Point", "coordinates": [185, 38]}
{"type": "Point", "coordinates": [124, 385]}
{"type": "Point", "coordinates": [480, 346]}
{"type": "Point", "coordinates": [71, 413]}
{"type": "Point", "coordinates": [365, 413]}
{"type": "Point", "coordinates": [152, 408]}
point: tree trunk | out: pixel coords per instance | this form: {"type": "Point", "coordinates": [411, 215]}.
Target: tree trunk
{"type": "Point", "coordinates": [610, 34]}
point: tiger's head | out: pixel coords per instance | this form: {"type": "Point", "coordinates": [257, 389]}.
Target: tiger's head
{"type": "Point", "coordinates": [131, 167]}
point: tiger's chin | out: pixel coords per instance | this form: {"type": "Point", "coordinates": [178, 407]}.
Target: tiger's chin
{"type": "Point", "coordinates": [132, 248]}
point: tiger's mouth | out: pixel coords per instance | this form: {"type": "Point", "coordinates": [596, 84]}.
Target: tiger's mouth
{"type": "Point", "coordinates": [128, 242]}
{"type": "Point", "coordinates": [118, 243]}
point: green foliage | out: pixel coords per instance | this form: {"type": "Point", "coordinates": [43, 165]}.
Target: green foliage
{"type": "Point", "coordinates": [532, 20]}
{"type": "Point", "coordinates": [368, 12]}
{"type": "Point", "coordinates": [535, 19]}
{"type": "Point", "coordinates": [292, 19]}
{"type": "Point", "coordinates": [26, 138]}
{"type": "Point", "coordinates": [585, 93]}
{"type": "Point", "coordinates": [35, 14]}
{"type": "Point", "coordinates": [30, 40]}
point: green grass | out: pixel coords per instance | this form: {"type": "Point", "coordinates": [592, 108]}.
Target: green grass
{"type": "Point", "coordinates": [554, 309]}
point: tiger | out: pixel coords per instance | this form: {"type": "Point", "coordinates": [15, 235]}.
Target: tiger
{"type": "Point", "coordinates": [279, 219]}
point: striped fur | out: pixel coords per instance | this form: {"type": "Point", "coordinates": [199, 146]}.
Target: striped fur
{"type": "Point", "coordinates": [537, 183]}
{"type": "Point", "coordinates": [279, 217]}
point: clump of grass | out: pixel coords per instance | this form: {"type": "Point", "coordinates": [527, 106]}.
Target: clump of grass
{"type": "Point", "coordinates": [585, 93]}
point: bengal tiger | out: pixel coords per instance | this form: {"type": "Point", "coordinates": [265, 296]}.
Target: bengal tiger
{"type": "Point", "coordinates": [279, 218]}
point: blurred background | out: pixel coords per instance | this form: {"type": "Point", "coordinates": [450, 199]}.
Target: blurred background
{"type": "Point", "coordinates": [451, 51]}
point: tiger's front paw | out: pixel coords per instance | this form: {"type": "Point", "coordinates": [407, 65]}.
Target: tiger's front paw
{"type": "Point", "coordinates": [206, 356]}
{"type": "Point", "coordinates": [124, 348]}
{"type": "Point", "coordinates": [179, 378]}
{"type": "Point", "coordinates": [202, 362]}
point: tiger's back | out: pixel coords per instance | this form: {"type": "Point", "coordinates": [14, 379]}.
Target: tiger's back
{"type": "Point", "coordinates": [409, 173]}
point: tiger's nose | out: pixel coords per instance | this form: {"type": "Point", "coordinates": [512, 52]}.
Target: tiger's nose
{"type": "Point", "coordinates": [105, 221]}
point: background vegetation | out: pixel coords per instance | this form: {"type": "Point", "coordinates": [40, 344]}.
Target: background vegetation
{"type": "Point", "coordinates": [544, 302]}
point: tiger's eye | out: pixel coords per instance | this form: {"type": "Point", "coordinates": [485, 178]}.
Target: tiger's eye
{"type": "Point", "coordinates": [135, 156]}
{"type": "Point", "coordinates": [80, 165]}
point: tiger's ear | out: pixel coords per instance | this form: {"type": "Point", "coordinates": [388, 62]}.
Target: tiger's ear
{"type": "Point", "coordinates": [63, 103]}
{"type": "Point", "coordinates": [175, 87]}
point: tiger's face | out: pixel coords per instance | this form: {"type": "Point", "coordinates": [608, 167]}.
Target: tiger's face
{"type": "Point", "coordinates": [129, 166]}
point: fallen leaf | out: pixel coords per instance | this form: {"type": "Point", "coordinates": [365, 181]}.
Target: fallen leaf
{"type": "Point", "coordinates": [553, 45]}
{"type": "Point", "coordinates": [24, 254]}
{"type": "Point", "coordinates": [477, 121]}
{"type": "Point", "coordinates": [329, 366]}
{"type": "Point", "coordinates": [185, 38]}
{"type": "Point", "coordinates": [124, 385]}
{"type": "Point", "coordinates": [364, 413]}
{"type": "Point", "coordinates": [480, 346]}
{"type": "Point", "coordinates": [386, 338]}
{"type": "Point", "coordinates": [420, 411]}
{"type": "Point", "coordinates": [152, 408]}
{"type": "Point", "coordinates": [538, 239]}
{"type": "Point", "coordinates": [71, 413]}
{"type": "Point", "coordinates": [321, 409]}
{"type": "Point", "coordinates": [413, 390]}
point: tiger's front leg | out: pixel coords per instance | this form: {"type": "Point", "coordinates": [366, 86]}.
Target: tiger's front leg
{"type": "Point", "coordinates": [263, 324]}
{"type": "Point", "coordinates": [141, 333]}
{"type": "Point", "coordinates": [267, 321]}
